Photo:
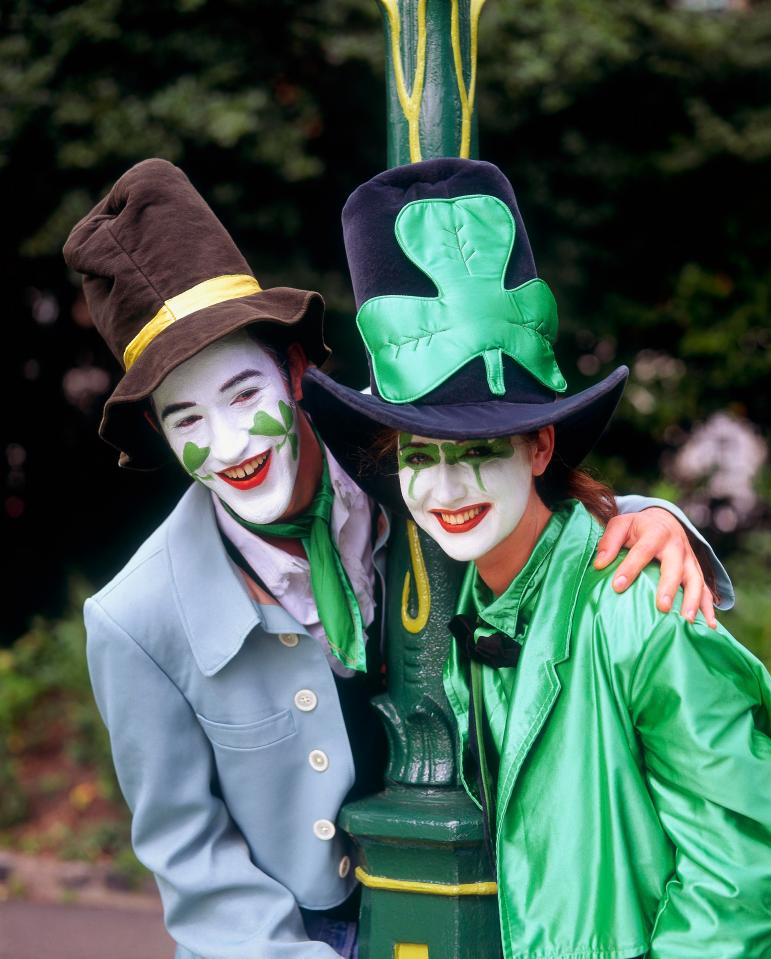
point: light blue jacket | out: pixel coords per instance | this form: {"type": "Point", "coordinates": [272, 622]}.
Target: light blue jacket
{"type": "Point", "coordinates": [212, 748]}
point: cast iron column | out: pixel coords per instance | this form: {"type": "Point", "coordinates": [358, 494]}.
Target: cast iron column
{"type": "Point", "coordinates": [429, 890]}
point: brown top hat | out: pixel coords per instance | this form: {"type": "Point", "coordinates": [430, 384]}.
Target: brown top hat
{"type": "Point", "coordinates": [163, 279]}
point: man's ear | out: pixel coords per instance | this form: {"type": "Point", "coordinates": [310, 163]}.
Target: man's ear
{"type": "Point", "coordinates": [543, 450]}
{"type": "Point", "coordinates": [297, 362]}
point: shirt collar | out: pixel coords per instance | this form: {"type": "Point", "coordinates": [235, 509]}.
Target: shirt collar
{"type": "Point", "coordinates": [287, 577]}
{"type": "Point", "coordinates": [277, 569]}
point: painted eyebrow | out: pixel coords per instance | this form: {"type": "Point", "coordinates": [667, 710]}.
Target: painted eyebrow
{"type": "Point", "coordinates": [239, 378]}
{"type": "Point", "coordinates": [233, 381]}
{"type": "Point", "coordinates": [175, 408]}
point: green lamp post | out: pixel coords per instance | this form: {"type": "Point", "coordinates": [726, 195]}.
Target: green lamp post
{"type": "Point", "coordinates": [428, 887]}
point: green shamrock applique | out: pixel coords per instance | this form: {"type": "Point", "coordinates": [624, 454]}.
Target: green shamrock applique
{"type": "Point", "coordinates": [416, 343]}
{"type": "Point", "coordinates": [266, 425]}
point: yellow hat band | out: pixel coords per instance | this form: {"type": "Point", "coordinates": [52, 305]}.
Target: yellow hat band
{"type": "Point", "coordinates": [216, 290]}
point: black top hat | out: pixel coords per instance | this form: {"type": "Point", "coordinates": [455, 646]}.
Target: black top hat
{"type": "Point", "coordinates": [458, 327]}
{"type": "Point", "coordinates": [163, 279]}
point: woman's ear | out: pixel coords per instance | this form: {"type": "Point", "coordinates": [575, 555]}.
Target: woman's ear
{"type": "Point", "coordinates": [297, 362]}
{"type": "Point", "coordinates": [543, 450]}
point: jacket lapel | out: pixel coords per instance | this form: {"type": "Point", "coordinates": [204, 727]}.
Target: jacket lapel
{"type": "Point", "coordinates": [211, 600]}
{"type": "Point", "coordinates": [547, 644]}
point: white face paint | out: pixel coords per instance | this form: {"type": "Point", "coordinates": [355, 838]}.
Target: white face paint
{"type": "Point", "coordinates": [229, 418]}
{"type": "Point", "coordinates": [467, 495]}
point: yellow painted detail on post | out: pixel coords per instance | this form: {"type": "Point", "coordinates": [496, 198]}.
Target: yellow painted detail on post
{"type": "Point", "coordinates": [466, 95]}
{"type": "Point", "coordinates": [414, 624]}
{"type": "Point", "coordinates": [426, 888]}
{"type": "Point", "coordinates": [410, 950]}
{"type": "Point", "coordinates": [409, 102]}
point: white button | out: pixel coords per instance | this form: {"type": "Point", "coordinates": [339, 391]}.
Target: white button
{"type": "Point", "coordinates": [318, 760]}
{"type": "Point", "coordinates": [289, 639]}
{"type": "Point", "coordinates": [323, 829]}
{"type": "Point", "coordinates": [305, 700]}
{"type": "Point", "coordinates": [344, 868]}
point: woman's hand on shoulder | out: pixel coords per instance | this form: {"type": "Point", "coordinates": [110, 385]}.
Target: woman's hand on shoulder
{"type": "Point", "coordinates": [655, 533]}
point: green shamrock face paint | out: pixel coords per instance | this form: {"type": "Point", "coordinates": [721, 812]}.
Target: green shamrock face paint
{"type": "Point", "coordinates": [266, 425]}
{"type": "Point", "coordinates": [229, 418]}
{"type": "Point", "coordinates": [468, 495]}
{"type": "Point", "coordinates": [193, 458]}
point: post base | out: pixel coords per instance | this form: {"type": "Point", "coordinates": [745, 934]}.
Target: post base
{"type": "Point", "coordinates": [428, 887]}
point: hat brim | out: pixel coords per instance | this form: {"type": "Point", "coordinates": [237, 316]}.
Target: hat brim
{"type": "Point", "coordinates": [289, 316]}
{"type": "Point", "coordinates": [349, 422]}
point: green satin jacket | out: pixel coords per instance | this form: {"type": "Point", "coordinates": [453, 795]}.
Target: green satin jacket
{"type": "Point", "coordinates": [633, 792]}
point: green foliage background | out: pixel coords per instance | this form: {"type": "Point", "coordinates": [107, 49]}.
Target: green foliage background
{"type": "Point", "coordinates": [637, 135]}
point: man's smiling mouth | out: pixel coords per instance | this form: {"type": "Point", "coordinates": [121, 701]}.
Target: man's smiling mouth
{"type": "Point", "coordinates": [248, 474]}
{"type": "Point", "coordinates": [461, 520]}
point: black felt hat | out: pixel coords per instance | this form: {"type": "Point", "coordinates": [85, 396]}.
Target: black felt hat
{"type": "Point", "coordinates": [163, 279]}
{"type": "Point", "coordinates": [458, 327]}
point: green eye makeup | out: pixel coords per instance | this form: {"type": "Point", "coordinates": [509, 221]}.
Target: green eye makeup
{"type": "Point", "coordinates": [475, 453]}
{"type": "Point", "coordinates": [416, 456]}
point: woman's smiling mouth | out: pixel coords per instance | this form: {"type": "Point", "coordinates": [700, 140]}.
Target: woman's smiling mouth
{"type": "Point", "coordinates": [461, 520]}
{"type": "Point", "coordinates": [248, 474]}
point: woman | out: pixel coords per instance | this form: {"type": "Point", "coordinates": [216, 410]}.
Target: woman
{"type": "Point", "coordinates": [623, 752]}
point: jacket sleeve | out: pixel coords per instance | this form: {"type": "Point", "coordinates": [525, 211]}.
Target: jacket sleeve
{"type": "Point", "coordinates": [634, 503]}
{"type": "Point", "coordinates": [217, 903]}
{"type": "Point", "coordinates": [700, 703]}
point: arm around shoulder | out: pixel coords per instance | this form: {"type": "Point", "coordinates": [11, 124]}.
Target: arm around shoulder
{"type": "Point", "coordinates": [217, 903]}
{"type": "Point", "coordinates": [705, 554]}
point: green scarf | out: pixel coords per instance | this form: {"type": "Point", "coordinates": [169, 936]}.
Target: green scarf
{"type": "Point", "coordinates": [335, 599]}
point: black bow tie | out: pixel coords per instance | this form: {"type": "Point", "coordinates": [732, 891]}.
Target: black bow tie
{"type": "Point", "coordinates": [495, 651]}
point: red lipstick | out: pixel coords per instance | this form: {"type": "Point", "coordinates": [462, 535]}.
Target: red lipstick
{"type": "Point", "coordinates": [255, 478]}
{"type": "Point", "coordinates": [466, 525]}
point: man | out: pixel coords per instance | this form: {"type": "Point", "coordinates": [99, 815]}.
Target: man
{"type": "Point", "coordinates": [228, 656]}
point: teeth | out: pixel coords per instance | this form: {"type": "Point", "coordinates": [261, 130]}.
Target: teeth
{"type": "Point", "coordinates": [458, 519]}
{"type": "Point", "coordinates": [241, 472]}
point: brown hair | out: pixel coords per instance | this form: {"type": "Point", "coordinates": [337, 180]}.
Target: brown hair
{"type": "Point", "coordinates": [560, 482]}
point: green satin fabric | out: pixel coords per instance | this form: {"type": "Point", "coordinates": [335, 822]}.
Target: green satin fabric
{"type": "Point", "coordinates": [634, 781]}
{"type": "Point", "coordinates": [463, 245]}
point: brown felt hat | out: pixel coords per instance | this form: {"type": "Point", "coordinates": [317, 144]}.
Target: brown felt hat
{"type": "Point", "coordinates": [163, 279]}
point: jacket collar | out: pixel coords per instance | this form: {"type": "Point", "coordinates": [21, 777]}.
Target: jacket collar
{"type": "Point", "coordinates": [215, 609]}
{"type": "Point", "coordinates": [509, 613]}
{"type": "Point", "coordinates": [548, 643]}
